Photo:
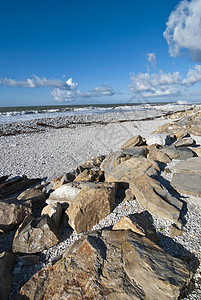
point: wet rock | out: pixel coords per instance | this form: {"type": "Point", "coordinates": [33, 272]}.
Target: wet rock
{"type": "Point", "coordinates": [35, 235]}
{"type": "Point", "coordinates": [134, 141]}
{"type": "Point", "coordinates": [185, 142]}
{"type": "Point", "coordinates": [94, 202]}
{"type": "Point", "coordinates": [155, 198]}
{"type": "Point", "coordinates": [139, 224]}
{"type": "Point", "coordinates": [7, 262]}
{"type": "Point", "coordinates": [110, 265]}
{"type": "Point", "coordinates": [159, 139]}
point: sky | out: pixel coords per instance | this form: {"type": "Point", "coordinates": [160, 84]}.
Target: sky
{"type": "Point", "coordinates": [97, 51]}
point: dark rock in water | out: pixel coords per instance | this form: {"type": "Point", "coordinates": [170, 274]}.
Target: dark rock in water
{"type": "Point", "coordinates": [110, 265]}
{"type": "Point", "coordinates": [7, 261]}
{"type": "Point", "coordinates": [35, 235]}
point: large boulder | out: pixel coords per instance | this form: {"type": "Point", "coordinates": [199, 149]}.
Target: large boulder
{"type": "Point", "coordinates": [156, 154]}
{"type": "Point", "coordinates": [130, 169]}
{"type": "Point", "coordinates": [110, 265]}
{"type": "Point", "coordinates": [7, 261]}
{"type": "Point", "coordinates": [191, 165]}
{"type": "Point", "coordinates": [94, 202]}
{"type": "Point", "coordinates": [35, 235]}
{"type": "Point", "coordinates": [178, 153]}
{"type": "Point", "coordinates": [12, 213]}
{"type": "Point", "coordinates": [136, 151]}
{"type": "Point", "coordinates": [93, 174]}
{"type": "Point", "coordinates": [154, 197]}
{"type": "Point", "coordinates": [34, 196]}
{"type": "Point", "coordinates": [134, 141]}
{"type": "Point", "coordinates": [185, 142]}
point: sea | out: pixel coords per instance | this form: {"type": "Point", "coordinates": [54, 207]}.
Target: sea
{"type": "Point", "coordinates": [24, 113]}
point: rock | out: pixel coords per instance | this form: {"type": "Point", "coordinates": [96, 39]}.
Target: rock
{"type": "Point", "coordinates": [136, 151]}
{"type": "Point", "coordinates": [110, 265]}
{"type": "Point", "coordinates": [197, 150]}
{"type": "Point", "coordinates": [185, 142]}
{"type": "Point", "coordinates": [191, 165]}
{"type": "Point", "coordinates": [134, 141]}
{"type": "Point", "coordinates": [169, 128]}
{"type": "Point", "coordinates": [139, 224]}
{"type": "Point", "coordinates": [7, 262]}
{"type": "Point", "coordinates": [3, 178]}
{"type": "Point", "coordinates": [54, 211]}
{"type": "Point", "coordinates": [194, 126]}
{"type": "Point", "coordinates": [178, 153]}
{"type": "Point", "coordinates": [35, 235]}
{"type": "Point", "coordinates": [35, 196]}
{"type": "Point", "coordinates": [68, 177]}
{"type": "Point", "coordinates": [187, 183]}
{"type": "Point", "coordinates": [15, 185]}
{"type": "Point", "coordinates": [90, 175]}
{"type": "Point", "coordinates": [12, 213]}
{"type": "Point", "coordinates": [134, 167]}
{"type": "Point", "coordinates": [174, 231]}
{"type": "Point", "coordinates": [26, 260]}
{"type": "Point", "coordinates": [93, 163]}
{"type": "Point", "coordinates": [159, 139]}
{"type": "Point", "coordinates": [154, 197]}
{"type": "Point", "coordinates": [156, 154]}
{"type": "Point", "coordinates": [94, 202]}
{"type": "Point", "coordinates": [112, 160]}
{"type": "Point", "coordinates": [182, 133]}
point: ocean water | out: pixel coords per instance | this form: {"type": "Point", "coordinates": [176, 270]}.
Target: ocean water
{"type": "Point", "coordinates": [24, 113]}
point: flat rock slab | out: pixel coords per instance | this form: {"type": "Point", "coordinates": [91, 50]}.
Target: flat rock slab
{"type": "Point", "coordinates": [110, 265]}
{"type": "Point", "coordinates": [187, 183]}
{"type": "Point", "coordinates": [191, 165]}
{"type": "Point", "coordinates": [178, 153]}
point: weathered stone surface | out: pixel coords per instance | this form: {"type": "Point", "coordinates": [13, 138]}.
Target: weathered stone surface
{"type": "Point", "coordinates": [182, 133]}
{"type": "Point", "coordinates": [174, 231]}
{"type": "Point", "coordinates": [185, 142]}
{"type": "Point", "coordinates": [7, 261]}
{"type": "Point", "coordinates": [16, 185]}
{"type": "Point", "coordinates": [134, 167]}
{"type": "Point", "coordinates": [169, 128]}
{"type": "Point", "coordinates": [156, 154]}
{"type": "Point", "coordinates": [12, 213]}
{"type": "Point", "coordinates": [191, 165]}
{"type": "Point", "coordinates": [68, 177]}
{"type": "Point", "coordinates": [197, 150]}
{"type": "Point", "coordinates": [35, 196]}
{"type": "Point", "coordinates": [159, 139]}
{"type": "Point", "coordinates": [110, 265]}
{"type": "Point", "coordinates": [54, 211]}
{"type": "Point", "coordinates": [35, 235]}
{"type": "Point", "coordinates": [134, 141]}
{"type": "Point", "coordinates": [178, 153]}
{"type": "Point", "coordinates": [136, 151]}
{"type": "Point", "coordinates": [92, 163]}
{"type": "Point", "coordinates": [187, 183]}
{"type": "Point", "coordinates": [154, 197]}
{"type": "Point", "coordinates": [94, 202]}
{"type": "Point", "coordinates": [139, 224]}
{"type": "Point", "coordinates": [90, 175]}
{"type": "Point", "coordinates": [112, 160]}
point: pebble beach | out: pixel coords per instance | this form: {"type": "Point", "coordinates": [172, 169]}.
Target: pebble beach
{"type": "Point", "coordinates": [49, 148]}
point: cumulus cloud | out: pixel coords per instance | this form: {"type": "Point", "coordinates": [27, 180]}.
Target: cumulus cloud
{"type": "Point", "coordinates": [164, 84]}
{"type": "Point", "coordinates": [74, 93]}
{"type": "Point", "coordinates": [151, 57]}
{"type": "Point", "coordinates": [183, 29]}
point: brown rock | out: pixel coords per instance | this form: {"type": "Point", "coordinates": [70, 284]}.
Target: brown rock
{"type": "Point", "coordinates": [182, 133]}
{"type": "Point", "coordinates": [90, 175]}
{"type": "Point", "coordinates": [139, 224]}
{"type": "Point", "coordinates": [136, 151]}
{"type": "Point", "coordinates": [134, 167]}
{"type": "Point", "coordinates": [34, 196]}
{"type": "Point", "coordinates": [68, 177]}
{"type": "Point", "coordinates": [185, 142]}
{"type": "Point", "coordinates": [94, 202]}
{"type": "Point", "coordinates": [154, 197]}
{"type": "Point", "coordinates": [197, 150]}
{"type": "Point", "coordinates": [174, 231]}
{"type": "Point", "coordinates": [156, 154]}
{"type": "Point", "coordinates": [134, 141]}
{"type": "Point", "coordinates": [54, 211]}
{"type": "Point", "coordinates": [35, 235]}
{"type": "Point", "coordinates": [12, 213]}
{"type": "Point", "coordinates": [181, 153]}
{"type": "Point", "coordinates": [110, 265]}
{"type": "Point", "coordinates": [7, 261]}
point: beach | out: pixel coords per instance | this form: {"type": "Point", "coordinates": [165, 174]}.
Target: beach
{"type": "Point", "coordinates": [51, 147]}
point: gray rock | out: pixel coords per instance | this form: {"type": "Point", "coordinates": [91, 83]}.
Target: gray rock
{"type": "Point", "coordinates": [178, 153]}
{"type": "Point", "coordinates": [136, 151]}
{"type": "Point", "coordinates": [191, 165]}
{"type": "Point", "coordinates": [185, 142]}
{"type": "Point", "coordinates": [187, 183]}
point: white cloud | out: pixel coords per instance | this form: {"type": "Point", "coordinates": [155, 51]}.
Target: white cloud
{"type": "Point", "coordinates": [164, 84]}
{"type": "Point", "coordinates": [184, 29]}
{"type": "Point", "coordinates": [74, 93]}
{"type": "Point", "coordinates": [151, 57]}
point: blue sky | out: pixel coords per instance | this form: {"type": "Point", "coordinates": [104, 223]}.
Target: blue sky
{"type": "Point", "coordinates": [79, 52]}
